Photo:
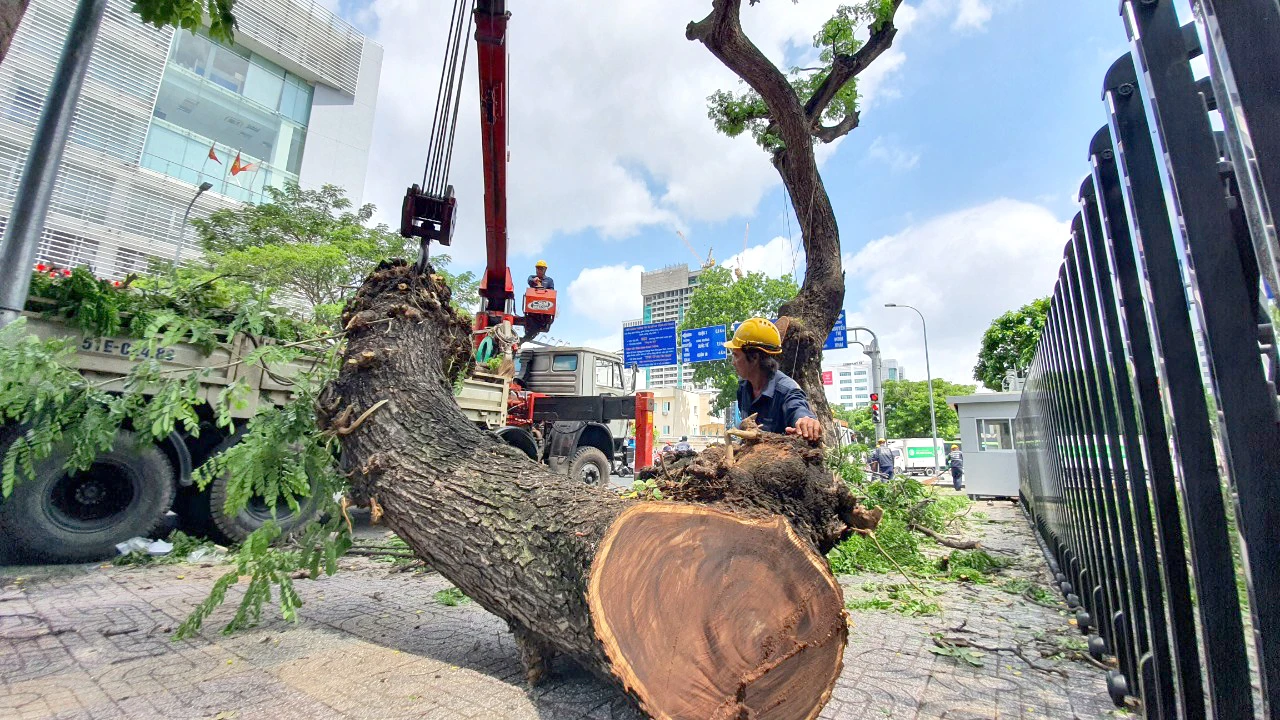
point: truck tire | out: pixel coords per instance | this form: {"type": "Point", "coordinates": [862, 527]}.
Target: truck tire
{"type": "Point", "coordinates": [61, 517]}
{"type": "Point", "coordinates": [590, 466]}
{"type": "Point", "coordinates": [202, 513]}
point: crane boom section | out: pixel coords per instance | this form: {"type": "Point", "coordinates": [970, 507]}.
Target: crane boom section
{"type": "Point", "coordinates": [496, 289]}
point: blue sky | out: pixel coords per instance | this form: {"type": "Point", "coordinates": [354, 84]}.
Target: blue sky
{"type": "Point", "coordinates": [953, 195]}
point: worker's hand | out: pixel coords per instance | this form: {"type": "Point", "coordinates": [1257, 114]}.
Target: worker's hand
{"type": "Point", "coordinates": [808, 428]}
{"type": "Point", "coordinates": [537, 282]}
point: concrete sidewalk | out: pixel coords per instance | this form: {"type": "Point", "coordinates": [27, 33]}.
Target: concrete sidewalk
{"type": "Point", "coordinates": [94, 642]}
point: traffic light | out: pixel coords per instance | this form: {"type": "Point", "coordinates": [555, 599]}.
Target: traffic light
{"type": "Point", "coordinates": [875, 408]}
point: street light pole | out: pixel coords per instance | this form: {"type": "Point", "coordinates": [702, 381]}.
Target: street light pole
{"type": "Point", "coordinates": [933, 413]}
{"type": "Point", "coordinates": [21, 240]}
{"type": "Point", "coordinates": [182, 229]}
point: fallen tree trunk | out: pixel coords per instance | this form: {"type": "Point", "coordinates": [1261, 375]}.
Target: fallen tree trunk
{"type": "Point", "coordinates": [724, 608]}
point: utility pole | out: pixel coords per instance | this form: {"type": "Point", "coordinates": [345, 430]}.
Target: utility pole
{"type": "Point", "coordinates": [35, 189]}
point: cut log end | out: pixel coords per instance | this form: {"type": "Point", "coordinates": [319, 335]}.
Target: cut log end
{"type": "Point", "coordinates": [704, 614]}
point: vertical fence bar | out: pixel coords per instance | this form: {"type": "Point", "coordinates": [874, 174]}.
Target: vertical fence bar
{"type": "Point", "coordinates": [1149, 428]}
{"type": "Point", "coordinates": [1159, 677]}
{"type": "Point", "coordinates": [1250, 432]}
{"type": "Point", "coordinates": [1226, 665]}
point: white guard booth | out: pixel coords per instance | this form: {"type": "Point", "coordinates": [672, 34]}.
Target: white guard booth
{"type": "Point", "coordinates": [986, 439]}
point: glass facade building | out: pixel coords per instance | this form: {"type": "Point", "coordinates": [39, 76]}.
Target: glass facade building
{"type": "Point", "coordinates": [162, 111]}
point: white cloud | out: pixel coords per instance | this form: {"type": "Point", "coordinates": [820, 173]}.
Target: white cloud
{"type": "Point", "coordinates": [972, 15]}
{"type": "Point", "coordinates": [780, 256]}
{"type": "Point", "coordinates": [607, 111]}
{"type": "Point", "coordinates": [605, 296]}
{"type": "Point", "coordinates": [888, 151]}
{"type": "Point", "coordinates": [962, 14]}
{"type": "Point", "coordinates": [961, 270]}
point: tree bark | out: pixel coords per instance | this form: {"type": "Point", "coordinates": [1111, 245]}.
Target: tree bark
{"type": "Point", "coordinates": [812, 314]}
{"type": "Point", "coordinates": [11, 12]}
{"type": "Point", "coordinates": [717, 609]}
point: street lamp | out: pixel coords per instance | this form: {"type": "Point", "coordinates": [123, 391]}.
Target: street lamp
{"type": "Point", "coordinates": [182, 229]}
{"type": "Point", "coordinates": [933, 413]}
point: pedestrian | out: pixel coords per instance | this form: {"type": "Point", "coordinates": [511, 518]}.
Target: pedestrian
{"type": "Point", "coordinates": [778, 403]}
{"type": "Point", "coordinates": [955, 459]}
{"type": "Point", "coordinates": [683, 445]}
{"type": "Point", "coordinates": [882, 458]}
{"type": "Point", "coordinates": [668, 449]}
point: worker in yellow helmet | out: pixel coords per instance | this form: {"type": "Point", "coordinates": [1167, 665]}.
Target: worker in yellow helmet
{"type": "Point", "coordinates": [540, 279]}
{"type": "Point", "coordinates": [765, 391]}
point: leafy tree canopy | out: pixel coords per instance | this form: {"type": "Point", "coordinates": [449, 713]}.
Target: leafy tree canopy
{"type": "Point", "coordinates": [719, 299]}
{"type": "Point", "coordinates": [906, 408]}
{"type": "Point", "coordinates": [859, 421]}
{"type": "Point", "coordinates": [1010, 343]}
{"type": "Point", "coordinates": [189, 15]}
{"type": "Point", "coordinates": [735, 113]}
{"type": "Point", "coordinates": [310, 244]}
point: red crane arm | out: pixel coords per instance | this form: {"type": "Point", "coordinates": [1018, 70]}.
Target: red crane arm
{"type": "Point", "coordinates": [491, 53]}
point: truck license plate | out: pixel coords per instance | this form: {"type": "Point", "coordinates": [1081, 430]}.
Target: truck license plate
{"type": "Point", "coordinates": [123, 347]}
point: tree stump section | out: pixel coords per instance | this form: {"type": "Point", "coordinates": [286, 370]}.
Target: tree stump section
{"type": "Point", "coordinates": [719, 607]}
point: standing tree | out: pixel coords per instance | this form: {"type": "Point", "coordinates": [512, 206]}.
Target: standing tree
{"type": "Point", "coordinates": [906, 408]}
{"type": "Point", "coordinates": [1010, 343]}
{"type": "Point", "coordinates": [719, 299]}
{"type": "Point", "coordinates": [787, 113]}
{"type": "Point", "coordinates": [309, 244]}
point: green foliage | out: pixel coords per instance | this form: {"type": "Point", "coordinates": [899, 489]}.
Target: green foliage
{"type": "Point", "coordinates": [308, 243]}
{"type": "Point", "coordinates": [905, 502]}
{"type": "Point", "coordinates": [964, 654]}
{"type": "Point", "coordinates": [189, 15]}
{"type": "Point", "coordinates": [644, 490]}
{"type": "Point", "coordinates": [859, 421]}
{"type": "Point", "coordinates": [451, 597]}
{"type": "Point", "coordinates": [906, 408]}
{"type": "Point", "coordinates": [1027, 588]}
{"type": "Point", "coordinates": [720, 299]}
{"type": "Point", "coordinates": [970, 566]}
{"type": "Point", "coordinates": [901, 599]}
{"type": "Point", "coordinates": [736, 113]}
{"type": "Point", "coordinates": [1010, 343]}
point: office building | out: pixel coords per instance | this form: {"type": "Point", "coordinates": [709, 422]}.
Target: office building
{"type": "Point", "coordinates": [165, 110]}
{"type": "Point", "coordinates": [666, 293]}
{"type": "Point", "coordinates": [850, 385]}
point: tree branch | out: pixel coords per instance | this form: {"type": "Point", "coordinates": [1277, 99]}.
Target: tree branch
{"type": "Point", "coordinates": [846, 67]}
{"type": "Point", "coordinates": [830, 133]}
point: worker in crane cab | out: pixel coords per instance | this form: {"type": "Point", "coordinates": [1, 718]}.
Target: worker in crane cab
{"type": "Point", "coordinates": [778, 403]}
{"type": "Point", "coordinates": [540, 279]}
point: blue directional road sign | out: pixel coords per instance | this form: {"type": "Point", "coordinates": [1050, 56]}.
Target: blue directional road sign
{"type": "Point", "coordinates": [703, 344]}
{"type": "Point", "coordinates": [649, 345]}
{"type": "Point", "coordinates": [839, 337]}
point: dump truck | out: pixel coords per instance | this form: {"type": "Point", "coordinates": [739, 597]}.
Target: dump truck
{"type": "Point", "coordinates": [60, 516]}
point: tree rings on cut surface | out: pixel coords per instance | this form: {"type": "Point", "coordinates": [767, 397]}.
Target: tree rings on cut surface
{"type": "Point", "coordinates": [705, 614]}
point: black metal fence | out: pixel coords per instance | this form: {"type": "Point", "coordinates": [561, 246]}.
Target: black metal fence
{"type": "Point", "coordinates": [1148, 436]}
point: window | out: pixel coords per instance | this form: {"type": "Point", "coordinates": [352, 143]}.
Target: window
{"type": "Point", "coordinates": [860, 372]}
{"type": "Point", "coordinates": [129, 261]}
{"type": "Point", "coordinates": [666, 408]}
{"type": "Point", "coordinates": [844, 373]}
{"type": "Point", "coordinates": [846, 397]}
{"type": "Point", "coordinates": [607, 375]}
{"type": "Point", "coordinates": [564, 363]}
{"type": "Point", "coordinates": [994, 435]}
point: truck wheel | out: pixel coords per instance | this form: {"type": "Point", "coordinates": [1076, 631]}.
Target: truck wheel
{"type": "Point", "coordinates": [62, 517]}
{"type": "Point", "coordinates": [590, 466]}
{"type": "Point", "coordinates": [202, 513]}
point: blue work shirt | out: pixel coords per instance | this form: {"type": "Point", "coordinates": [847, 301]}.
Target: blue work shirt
{"type": "Point", "coordinates": [547, 282]}
{"type": "Point", "coordinates": [780, 405]}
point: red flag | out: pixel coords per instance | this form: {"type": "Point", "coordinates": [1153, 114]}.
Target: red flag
{"type": "Point", "coordinates": [239, 166]}
{"type": "Point", "coordinates": [213, 155]}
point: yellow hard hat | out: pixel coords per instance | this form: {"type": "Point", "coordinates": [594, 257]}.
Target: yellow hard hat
{"type": "Point", "coordinates": [880, 441]}
{"type": "Point", "coordinates": [955, 447]}
{"type": "Point", "coordinates": [757, 333]}
{"type": "Point", "coordinates": [541, 263]}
